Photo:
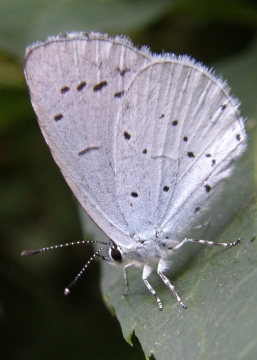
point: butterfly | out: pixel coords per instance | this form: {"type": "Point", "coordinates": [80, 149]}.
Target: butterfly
{"type": "Point", "coordinates": [143, 140]}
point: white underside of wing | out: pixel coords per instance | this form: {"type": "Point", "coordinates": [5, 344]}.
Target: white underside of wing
{"type": "Point", "coordinates": [143, 141]}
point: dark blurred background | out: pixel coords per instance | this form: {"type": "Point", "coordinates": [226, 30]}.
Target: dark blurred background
{"type": "Point", "coordinates": [38, 209]}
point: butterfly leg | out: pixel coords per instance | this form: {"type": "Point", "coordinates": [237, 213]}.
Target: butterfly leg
{"type": "Point", "coordinates": [126, 277]}
{"type": "Point", "coordinates": [146, 272]}
{"type": "Point", "coordinates": [205, 242]}
{"type": "Point", "coordinates": [161, 268]}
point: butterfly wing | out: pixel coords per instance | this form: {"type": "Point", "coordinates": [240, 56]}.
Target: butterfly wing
{"type": "Point", "coordinates": [178, 134]}
{"type": "Point", "coordinates": [76, 85]}
{"type": "Point", "coordinates": [142, 140]}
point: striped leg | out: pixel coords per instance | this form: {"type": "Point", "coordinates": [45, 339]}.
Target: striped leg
{"type": "Point", "coordinates": [161, 268]}
{"type": "Point", "coordinates": [146, 272]}
{"type": "Point", "coordinates": [205, 242]}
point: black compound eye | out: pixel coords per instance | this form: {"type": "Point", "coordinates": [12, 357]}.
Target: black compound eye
{"type": "Point", "coordinates": [115, 254]}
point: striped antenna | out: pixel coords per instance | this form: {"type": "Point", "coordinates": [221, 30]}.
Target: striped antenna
{"type": "Point", "coordinates": [67, 289]}
{"type": "Point", "coordinates": [97, 253]}
{"type": "Point", "coordinates": [37, 251]}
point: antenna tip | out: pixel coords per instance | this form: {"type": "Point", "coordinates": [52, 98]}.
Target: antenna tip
{"type": "Point", "coordinates": [30, 252]}
{"type": "Point", "coordinates": [66, 291]}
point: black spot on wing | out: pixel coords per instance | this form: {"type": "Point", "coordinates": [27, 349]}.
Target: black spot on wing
{"type": "Point", "coordinates": [185, 138]}
{"type": "Point", "coordinates": [174, 122]}
{"type": "Point", "coordinates": [127, 136]}
{"type": "Point", "coordinates": [166, 188]}
{"type": "Point", "coordinates": [88, 149]}
{"type": "Point", "coordinates": [134, 194]}
{"type": "Point", "coordinates": [58, 117]}
{"type": "Point", "coordinates": [100, 86]}
{"type": "Point", "coordinates": [144, 151]}
{"type": "Point", "coordinates": [81, 86]}
{"type": "Point", "coordinates": [123, 71]}
{"type": "Point", "coordinates": [207, 188]}
{"type": "Point", "coordinates": [119, 94]}
{"type": "Point", "coordinates": [190, 154]}
{"type": "Point", "coordinates": [65, 89]}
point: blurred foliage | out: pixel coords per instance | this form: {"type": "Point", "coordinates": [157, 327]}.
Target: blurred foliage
{"type": "Point", "coordinates": [37, 208]}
